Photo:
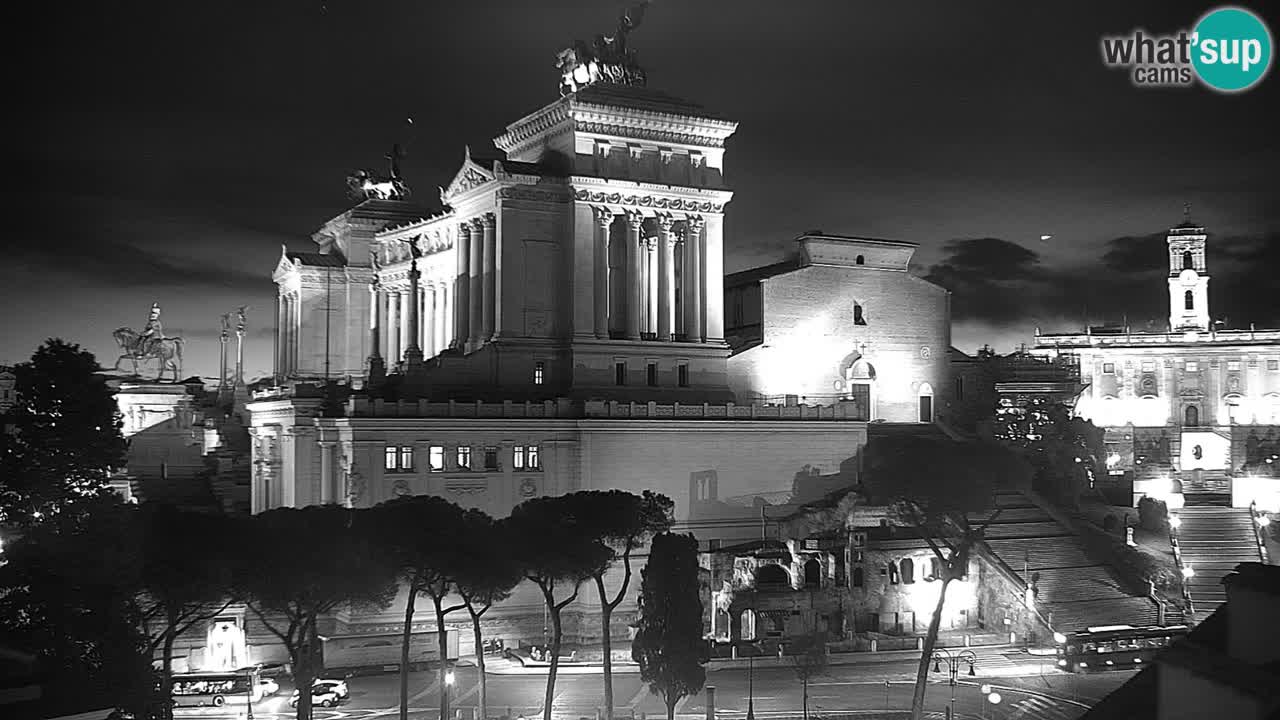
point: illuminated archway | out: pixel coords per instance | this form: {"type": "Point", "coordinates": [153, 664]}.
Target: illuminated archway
{"type": "Point", "coordinates": [859, 382]}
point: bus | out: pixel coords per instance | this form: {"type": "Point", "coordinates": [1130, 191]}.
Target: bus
{"type": "Point", "coordinates": [216, 689]}
{"type": "Point", "coordinates": [1113, 647]}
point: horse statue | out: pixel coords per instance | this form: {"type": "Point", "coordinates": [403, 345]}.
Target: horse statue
{"type": "Point", "coordinates": [168, 351]}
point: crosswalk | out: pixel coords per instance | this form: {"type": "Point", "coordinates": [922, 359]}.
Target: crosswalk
{"type": "Point", "coordinates": [1039, 708]}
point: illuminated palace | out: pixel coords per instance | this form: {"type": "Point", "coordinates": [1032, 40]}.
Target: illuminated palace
{"type": "Point", "coordinates": [1195, 407]}
{"type": "Point", "coordinates": [559, 325]}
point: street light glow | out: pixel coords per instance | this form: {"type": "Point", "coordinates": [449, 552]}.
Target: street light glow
{"type": "Point", "coordinates": [1188, 572]}
{"type": "Point", "coordinates": [448, 678]}
{"type": "Point", "coordinates": [1059, 638]}
{"type": "Point", "coordinates": [1175, 522]}
{"type": "Point", "coordinates": [994, 698]}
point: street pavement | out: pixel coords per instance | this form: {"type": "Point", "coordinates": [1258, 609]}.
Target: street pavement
{"type": "Point", "coordinates": [1027, 689]}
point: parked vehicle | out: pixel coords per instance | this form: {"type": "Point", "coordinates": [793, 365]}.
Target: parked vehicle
{"type": "Point", "coordinates": [339, 686]}
{"type": "Point", "coordinates": [322, 695]}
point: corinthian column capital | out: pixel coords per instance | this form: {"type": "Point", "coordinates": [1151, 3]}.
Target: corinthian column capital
{"type": "Point", "coordinates": [603, 215]}
{"type": "Point", "coordinates": [666, 222]}
{"type": "Point", "coordinates": [635, 220]}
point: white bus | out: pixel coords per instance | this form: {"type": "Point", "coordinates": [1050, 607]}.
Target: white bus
{"type": "Point", "coordinates": [238, 687]}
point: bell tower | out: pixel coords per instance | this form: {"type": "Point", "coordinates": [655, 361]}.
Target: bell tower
{"type": "Point", "coordinates": [1188, 277]}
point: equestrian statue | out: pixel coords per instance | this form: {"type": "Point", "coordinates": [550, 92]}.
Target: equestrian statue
{"type": "Point", "coordinates": [150, 344]}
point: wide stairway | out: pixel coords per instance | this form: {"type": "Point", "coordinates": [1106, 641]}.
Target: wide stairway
{"type": "Point", "coordinates": [1212, 541]}
{"type": "Point", "coordinates": [1073, 592]}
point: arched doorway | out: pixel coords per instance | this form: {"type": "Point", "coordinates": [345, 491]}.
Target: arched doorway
{"type": "Point", "coordinates": [1191, 416]}
{"type": "Point", "coordinates": [860, 378]}
{"type": "Point", "coordinates": [812, 573]}
{"type": "Point", "coordinates": [908, 571]}
{"type": "Point", "coordinates": [926, 403]}
{"type": "Point", "coordinates": [771, 575]}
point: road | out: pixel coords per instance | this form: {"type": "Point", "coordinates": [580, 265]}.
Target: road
{"type": "Point", "coordinates": [867, 689]}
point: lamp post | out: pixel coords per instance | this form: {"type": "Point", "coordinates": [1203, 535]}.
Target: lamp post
{"type": "Point", "coordinates": [751, 682]}
{"type": "Point", "coordinates": [448, 688]}
{"type": "Point", "coordinates": [249, 689]}
{"type": "Point", "coordinates": [953, 661]}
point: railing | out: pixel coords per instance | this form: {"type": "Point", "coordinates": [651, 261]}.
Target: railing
{"type": "Point", "coordinates": [563, 408]}
{"type": "Point", "coordinates": [1260, 521]}
{"type": "Point", "coordinates": [1177, 559]}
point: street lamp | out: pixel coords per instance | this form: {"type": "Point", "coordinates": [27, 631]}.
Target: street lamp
{"type": "Point", "coordinates": [448, 687]}
{"type": "Point", "coordinates": [953, 661]}
{"type": "Point", "coordinates": [751, 681]}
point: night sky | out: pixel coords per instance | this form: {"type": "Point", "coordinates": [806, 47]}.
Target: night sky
{"type": "Point", "coordinates": [165, 150]}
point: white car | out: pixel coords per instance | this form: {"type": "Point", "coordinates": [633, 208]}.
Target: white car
{"type": "Point", "coordinates": [339, 687]}
{"type": "Point", "coordinates": [322, 695]}
{"type": "Point", "coordinates": [269, 686]}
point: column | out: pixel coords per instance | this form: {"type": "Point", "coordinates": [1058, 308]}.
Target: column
{"type": "Point", "coordinates": [462, 288]}
{"type": "Point", "coordinates": [375, 309]}
{"type": "Point", "coordinates": [404, 322]}
{"type": "Point", "coordinates": [634, 267]}
{"type": "Point", "coordinates": [713, 278]}
{"type": "Point", "coordinates": [693, 279]}
{"type": "Point", "coordinates": [490, 275]}
{"type": "Point", "coordinates": [651, 285]}
{"type": "Point", "coordinates": [603, 219]}
{"type": "Point", "coordinates": [475, 298]}
{"type": "Point", "coordinates": [412, 345]}
{"type": "Point", "coordinates": [393, 325]}
{"type": "Point", "coordinates": [327, 490]}
{"type": "Point", "coordinates": [281, 324]}
{"type": "Point", "coordinates": [445, 329]}
{"type": "Point", "coordinates": [295, 324]}
{"type": "Point", "coordinates": [429, 320]}
{"type": "Point", "coordinates": [666, 277]}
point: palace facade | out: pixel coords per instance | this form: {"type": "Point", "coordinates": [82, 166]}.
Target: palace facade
{"type": "Point", "coordinates": [1194, 404]}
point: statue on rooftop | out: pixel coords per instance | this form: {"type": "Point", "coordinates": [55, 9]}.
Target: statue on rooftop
{"type": "Point", "coordinates": [150, 344]}
{"type": "Point", "coordinates": [608, 59]}
{"type": "Point", "coordinates": [364, 185]}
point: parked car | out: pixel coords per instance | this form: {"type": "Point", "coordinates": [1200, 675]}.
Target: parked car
{"type": "Point", "coordinates": [338, 686]}
{"type": "Point", "coordinates": [322, 695]}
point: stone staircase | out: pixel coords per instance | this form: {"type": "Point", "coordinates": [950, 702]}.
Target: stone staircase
{"type": "Point", "coordinates": [1212, 541]}
{"type": "Point", "coordinates": [1072, 591]}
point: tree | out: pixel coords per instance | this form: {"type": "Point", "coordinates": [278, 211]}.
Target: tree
{"type": "Point", "coordinates": [178, 594]}
{"type": "Point", "coordinates": [555, 548]}
{"type": "Point", "coordinates": [488, 574]}
{"type": "Point", "coordinates": [66, 435]}
{"type": "Point", "coordinates": [67, 589]}
{"type": "Point", "coordinates": [810, 662]}
{"type": "Point", "coordinates": [318, 558]}
{"type": "Point", "coordinates": [668, 644]}
{"type": "Point", "coordinates": [421, 534]}
{"type": "Point", "coordinates": [935, 485]}
{"type": "Point", "coordinates": [622, 521]}
{"type": "Point", "coordinates": [1067, 453]}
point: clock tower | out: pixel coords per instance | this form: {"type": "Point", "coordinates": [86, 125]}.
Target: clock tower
{"type": "Point", "coordinates": [1188, 279]}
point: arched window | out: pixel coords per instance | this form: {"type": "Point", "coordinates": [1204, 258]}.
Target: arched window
{"type": "Point", "coordinates": [812, 573]}
{"type": "Point", "coordinates": [893, 573]}
{"type": "Point", "coordinates": [926, 403]}
{"type": "Point", "coordinates": [857, 577]}
{"type": "Point", "coordinates": [771, 575]}
{"type": "Point", "coordinates": [1189, 300]}
{"type": "Point", "coordinates": [860, 260]}
{"type": "Point", "coordinates": [935, 569]}
{"type": "Point", "coordinates": [908, 571]}
{"type": "Point", "coordinates": [1188, 261]}
{"type": "Point", "coordinates": [1191, 416]}
{"type": "Point", "coordinates": [858, 319]}
{"type": "Point", "coordinates": [748, 631]}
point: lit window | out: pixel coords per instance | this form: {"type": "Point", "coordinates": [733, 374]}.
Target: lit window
{"type": "Point", "coordinates": [651, 374]}
{"type": "Point", "coordinates": [620, 373]}
{"type": "Point", "coordinates": [398, 458]}
{"type": "Point", "coordinates": [406, 458]}
{"type": "Point", "coordinates": [539, 372]}
{"type": "Point", "coordinates": [682, 375]}
{"type": "Point", "coordinates": [464, 457]}
{"type": "Point", "coordinates": [436, 458]}
{"type": "Point", "coordinates": [1233, 364]}
{"type": "Point", "coordinates": [1109, 368]}
{"type": "Point", "coordinates": [1148, 366]}
{"type": "Point", "coordinates": [517, 457]}
{"type": "Point", "coordinates": [526, 458]}
{"type": "Point", "coordinates": [534, 458]}
{"type": "Point", "coordinates": [1193, 366]}
{"type": "Point", "coordinates": [390, 458]}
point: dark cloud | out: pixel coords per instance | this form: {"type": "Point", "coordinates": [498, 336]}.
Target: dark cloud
{"type": "Point", "coordinates": [995, 283]}
{"type": "Point", "coordinates": [111, 263]}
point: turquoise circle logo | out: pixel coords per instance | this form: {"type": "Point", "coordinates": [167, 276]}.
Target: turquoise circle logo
{"type": "Point", "coordinates": [1231, 49]}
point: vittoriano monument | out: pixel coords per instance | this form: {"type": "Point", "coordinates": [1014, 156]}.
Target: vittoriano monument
{"type": "Point", "coordinates": [150, 344]}
{"type": "Point", "coordinates": [607, 59]}
{"type": "Point", "coordinates": [364, 185]}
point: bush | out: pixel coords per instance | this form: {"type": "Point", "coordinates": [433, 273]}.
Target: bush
{"type": "Point", "coordinates": [1153, 514]}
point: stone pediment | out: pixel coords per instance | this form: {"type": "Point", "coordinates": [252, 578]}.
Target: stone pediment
{"type": "Point", "coordinates": [284, 266]}
{"type": "Point", "coordinates": [470, 176]}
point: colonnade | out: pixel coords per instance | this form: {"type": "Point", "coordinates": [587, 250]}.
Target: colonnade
{"type": "Point", "coordinates": [289, 320]}
{"type": "Point", "coordinates": [660, 291]}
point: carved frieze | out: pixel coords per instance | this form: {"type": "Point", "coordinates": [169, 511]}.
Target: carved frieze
{"type": "Point", "coordinates": [522, 193]}
{"type": "Point", "coordinates": [654, 134]}
{"type": "Point", "coordinates": [649, 201]}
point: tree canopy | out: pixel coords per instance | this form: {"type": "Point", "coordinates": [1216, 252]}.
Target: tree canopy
{"type": "Point", "coordinates": [668, 644]}
{"type": "Point", "coordinates": [65, 438]}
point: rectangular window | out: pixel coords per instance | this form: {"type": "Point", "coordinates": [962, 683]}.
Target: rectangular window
{"type": "Point", "coordinates": [398, 458]}
{"type": "Point", "coordinates": [1109, 368]}
{"type": "Point", "coordinates": [682, 375]}
{"type": "Point", "coordinates": [533, 457]}
{"type": "Point", "coordinates": [406, 458]}
{"type": "Point", "coordinates": [464, 457]}
{"type": "Point", "coordinates": [620, 373]}
{"type": "Point", "coordinates": [491, 458]}
{"type": "Point", "coordinates": [435, 457]}
{"type": "Point", "coordinates": [390, 458]}
{"type": "Point", "coordinates": [539, 372]}
{"type": "Point", "coordinates": [1273, 364]}
{"type": "Point", "coordinates": [1193, 366]}
{"type": "Point", "coordinates": [1233, 364]}
{"type": "Point", "coordinates": [651, 374]}
{"type": "Point", "coordinates": [517, 457]}
{"type": "Point", "coordinates": [959, 388]}
{"type": "Point", "coordinates": [1148, 366]}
